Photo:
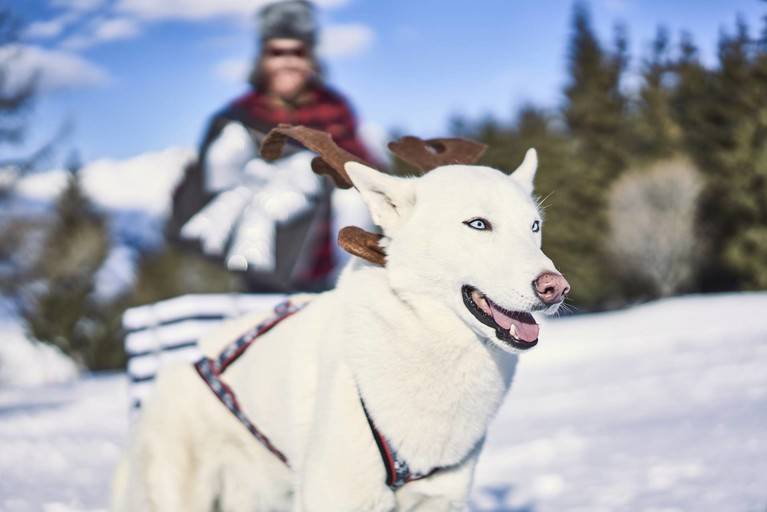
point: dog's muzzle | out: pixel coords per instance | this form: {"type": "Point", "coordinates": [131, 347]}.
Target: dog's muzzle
{"type": "Point", "coordinates": [517, 329]}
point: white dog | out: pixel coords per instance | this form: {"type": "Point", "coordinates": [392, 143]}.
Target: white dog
{"type": "Point", "coordinates": [409, 361]}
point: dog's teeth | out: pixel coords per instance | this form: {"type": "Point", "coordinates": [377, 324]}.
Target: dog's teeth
{"type": "Point", "coordinates": [513, 330]}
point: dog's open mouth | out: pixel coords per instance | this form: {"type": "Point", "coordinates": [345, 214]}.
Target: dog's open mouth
{"type": "Point", "coordinates": [516, 328]}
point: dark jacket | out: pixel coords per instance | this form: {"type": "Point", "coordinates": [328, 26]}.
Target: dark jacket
{"type": "Point", "coordinates": [304, 245]}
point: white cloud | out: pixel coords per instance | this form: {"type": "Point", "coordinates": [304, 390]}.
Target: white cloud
{"type": "Point", "coordinates": [345, 40]}
{"type": "Point", "coordinates": [330, 4]}
{"type": "Point", "coordinates": [201, 9]}
{"type": "Point", "coordinates": [78, 5]}
{"type": "Point", "coordinates": [116, 28]}
{"type": "Point", "coordinates": [56, 69]}
{"type": "Point", "coordinates": [103, 30]}
{"type": "Point", "coordinates": [50, 28]}
{"type": "Point", "coordinates": [190, 9]}
{"type": "Point", "coordinates": [233, 70]}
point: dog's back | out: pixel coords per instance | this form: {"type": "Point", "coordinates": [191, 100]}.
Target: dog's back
{"type": "Point", "coordinates": [184, 428]}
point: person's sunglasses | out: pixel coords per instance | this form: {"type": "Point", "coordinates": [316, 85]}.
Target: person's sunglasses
{"type": "Point", "coordinates": [286, 52]}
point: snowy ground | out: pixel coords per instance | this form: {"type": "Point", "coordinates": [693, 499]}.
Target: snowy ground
{"type": "Point", "coordinates": [28, 363]}
{"type": "Point", "coordinates": [662, 407]}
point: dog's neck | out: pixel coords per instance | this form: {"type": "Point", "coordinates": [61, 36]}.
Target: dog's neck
{"type": "Point", "coordinates": [430, 383]}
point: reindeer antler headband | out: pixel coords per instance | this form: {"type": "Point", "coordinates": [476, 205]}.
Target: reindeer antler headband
{"type": "Point", "coordinates": [424, 155]}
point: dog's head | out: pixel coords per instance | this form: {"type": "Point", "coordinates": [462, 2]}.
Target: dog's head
{"type": "Point", "coordinates": [469, 237]}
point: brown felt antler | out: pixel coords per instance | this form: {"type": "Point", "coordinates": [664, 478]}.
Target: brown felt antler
{"type": "Point", "coordinates": [426, 155]}
{"type": "Point", "coordinates": [330, 161]}
{"type": "Point", "coordinates": [362, 243]}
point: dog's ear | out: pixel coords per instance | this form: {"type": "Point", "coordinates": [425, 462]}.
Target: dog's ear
{"type": "Point", "coordinates": [390, 199]}
{"type": "Point", "coordinates": [525, 173]}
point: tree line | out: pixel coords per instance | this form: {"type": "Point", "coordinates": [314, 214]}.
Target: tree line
{"type": "Point", "coordinates": [654, 190]}
{"type": "Point", "coordinates": [647, 192]}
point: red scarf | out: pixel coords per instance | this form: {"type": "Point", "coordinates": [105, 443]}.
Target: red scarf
{"type": "Point", "coordinates": [320, 108]}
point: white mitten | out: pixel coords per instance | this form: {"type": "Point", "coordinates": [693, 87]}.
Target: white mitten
{"type": "Point", "coordinates": [257, 172]}
{"type": "Point", "coordinates": [281, 203]}
{"type": "Point", "coordinates": [253, 242]}
{"type": "Point", "coordinates": [291, 189]}
{"type": "Point", "coordinates": [226, 157]}
{"type": "Point", "coordinates": [296, 172]}
{"type": "Point", "coordinates": [213, 224]}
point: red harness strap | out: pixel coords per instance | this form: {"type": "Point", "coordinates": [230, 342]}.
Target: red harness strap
{"type": "Point", "coordinates": [397, 469]}
{"type": "Point", "coordinates": [211, 369]}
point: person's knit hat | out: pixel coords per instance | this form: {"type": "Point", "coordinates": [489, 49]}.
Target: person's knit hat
{"type": "Point", "coordinates": [290, 19]}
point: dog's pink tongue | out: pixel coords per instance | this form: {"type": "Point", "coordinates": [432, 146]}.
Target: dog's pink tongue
{"type": "Point", "coordinates": [520, 329]}
{"type": "Point", "coordinates": [526, 332]}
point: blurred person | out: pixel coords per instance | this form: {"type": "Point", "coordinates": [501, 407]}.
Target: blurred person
{"type": "Point", "coordinates": [270, 220]}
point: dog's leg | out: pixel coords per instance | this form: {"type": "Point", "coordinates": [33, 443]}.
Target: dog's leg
{"type": "Point", "coordinates": [342, 469]}
{"type": "Point", "coordinates": [252, 479]}
{"type": "Point", "coordinates": [446, 490]}
{"type": "Point", "coordinates": [164, 474]}
{"type": "Point", "coordinates": [152, 479]}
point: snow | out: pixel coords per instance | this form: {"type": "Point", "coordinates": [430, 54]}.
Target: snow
{"type": "Point", "coordinates": [117, 274]}
{"type": "Point", "coordinates": [144, 182]}
{"type": "Point", "coordinates": [135, 193]}
{"type": "Point", "coordinates": [661, 407]}
{"type": "Point", "coordinates": [59, 445]}
{"type": "Point", "coordinates": [25, 363]}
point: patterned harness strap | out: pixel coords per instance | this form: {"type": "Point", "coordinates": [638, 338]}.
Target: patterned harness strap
{"type": "Point", "coordinates": [397, 469]}
{"type": "Point", "coordinates": [211, 369]}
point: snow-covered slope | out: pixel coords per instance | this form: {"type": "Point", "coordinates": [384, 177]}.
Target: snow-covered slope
{"type": "Point", "coordinates": [661, 407]}
{"type": "Point", "coordinates": [25, 362]}
{"type": "Point", "coordinates": [144, 182]}
{"type": "Point", "coordinates": [135, 192]}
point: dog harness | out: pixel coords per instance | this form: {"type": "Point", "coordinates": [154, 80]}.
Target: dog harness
{"type": "Point", "coordinates": [398, 471]}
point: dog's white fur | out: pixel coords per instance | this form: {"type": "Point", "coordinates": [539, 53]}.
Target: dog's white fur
{"type": "Point", "coordinates": [432, 376]}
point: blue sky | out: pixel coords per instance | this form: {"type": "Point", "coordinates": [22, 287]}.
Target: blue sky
{"type": "Point", "coordinates": [141, 75]}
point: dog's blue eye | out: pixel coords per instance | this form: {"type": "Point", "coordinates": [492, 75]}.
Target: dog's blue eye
{"type": "Point", "coordinates": [480, 224]}
{"type": "Point", "coordinates": [536, 226]}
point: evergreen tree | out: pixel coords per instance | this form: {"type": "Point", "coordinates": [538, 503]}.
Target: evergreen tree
{"type": "Point", "coordinates": [657, 133]}
{"type": "Point", "coordinates": [595, 115]}
{"type": "Point", "coordinates": [595, 110]}
{"type": "Point", "coordinates": [723, 113]}
{"type": "Point", "coordinates": [15, 103]}
{"type": "Point", "coordinates": [745, 237]}
{"type": "Point", "coordinates": [763, 40]}
{"type": "Point", "coordinates": [689, 98]}
{"type": "Point", "coordinates": [716, 116]}
{"type": "Point", "coordinates": [172, 271]}
{"type": "Point", "coordinates": [57, 305]}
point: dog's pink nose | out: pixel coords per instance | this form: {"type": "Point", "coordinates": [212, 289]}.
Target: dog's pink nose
{"type": "Point", "coordinates": [551, 288]}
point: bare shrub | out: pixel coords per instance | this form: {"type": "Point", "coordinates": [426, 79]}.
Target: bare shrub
{"type": "Point", "coordinates": [652, 224]}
